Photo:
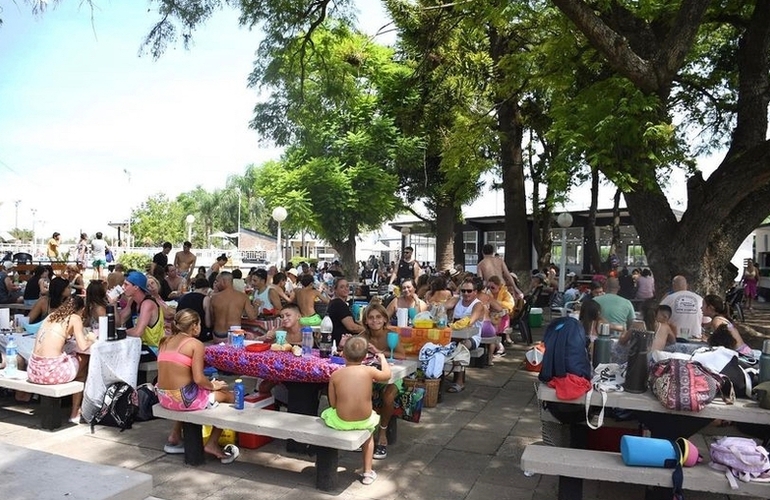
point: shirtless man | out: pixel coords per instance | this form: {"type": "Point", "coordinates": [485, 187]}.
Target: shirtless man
{"type": "Point", "coordinates": [306, 297]}
{"type": "Point", "coordinates": [174, 281]}
{"type": "Point", "coordinates": [184, 261]}
{"type": "Point", "coordinates": [495, 266]}
{"type": "Point", "coordinates": [228, 305]}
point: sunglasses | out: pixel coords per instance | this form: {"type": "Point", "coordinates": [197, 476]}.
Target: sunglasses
{"type": "Point", "coordinates": [467, 290]}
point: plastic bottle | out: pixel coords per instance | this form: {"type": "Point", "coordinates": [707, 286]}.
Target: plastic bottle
{"type": "Point", "coordinates": [602, 346]}
{"type": "Point", "coordinates": [11, 369]}
{"type": "Point", "coordinates": [307, 341]}
{"type": "Point", "coordinates": [441, 319]}
{"type": "Point", "coordinates": [325, 344]}
{"type": "Point", "coordinates": [764, 362]}
{"type": "Point", "coordinates": [240, 393]}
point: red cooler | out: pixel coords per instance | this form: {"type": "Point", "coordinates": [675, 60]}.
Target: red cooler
{"type": "Point", "coordinates": [263, 401]}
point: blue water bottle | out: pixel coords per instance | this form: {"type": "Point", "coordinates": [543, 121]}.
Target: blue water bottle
{"type": "Point", "coordinates": [307, 341]}
{"type": "Point", "coordinates": [240, 394]}
{"type": "Point", "coordinates": [11, 370]}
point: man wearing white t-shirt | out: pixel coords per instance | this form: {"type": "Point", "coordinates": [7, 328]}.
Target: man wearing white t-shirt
{"type": "Point", "coordinates": [686, 314]}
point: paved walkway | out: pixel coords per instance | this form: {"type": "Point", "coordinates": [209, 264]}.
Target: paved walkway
{"type": "Point", "coordinates": [466, 448]}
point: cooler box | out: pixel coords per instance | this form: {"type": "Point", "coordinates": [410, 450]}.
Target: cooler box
{"type": "Point", "coordinates": [535, 317]}
{"type": "Point", "coordinates": [265, 401]}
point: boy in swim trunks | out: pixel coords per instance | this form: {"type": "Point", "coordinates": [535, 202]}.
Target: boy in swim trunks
{"type": "Point", "coordinates": [306, 298]}
{"type": "Point", "coordinates": [350, 398]}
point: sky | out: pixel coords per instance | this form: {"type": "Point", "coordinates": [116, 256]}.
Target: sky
{"type": "Point", "coordinates": [89, 128]}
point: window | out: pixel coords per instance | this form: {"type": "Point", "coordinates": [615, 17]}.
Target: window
{"type": "Point", "coordinates": [471, 247]}
{"type": "Point", "coordinates": [496, 238]}
{"type": "Point", "coordinates": [635, 256]}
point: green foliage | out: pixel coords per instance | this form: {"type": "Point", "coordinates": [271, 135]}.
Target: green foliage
{"type": "Point", "coordinates": [136, 261]}
{"type": "Point", "coordinates": [158, 219]}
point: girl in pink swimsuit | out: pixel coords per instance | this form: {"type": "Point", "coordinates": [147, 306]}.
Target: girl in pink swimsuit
{"type": "Point", "coordinates": [49, 364]}
{"type": "Point", "coordinates": [182, 386]}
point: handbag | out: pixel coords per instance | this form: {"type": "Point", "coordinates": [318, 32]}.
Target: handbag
{"type": "Point", "coordinates": [408, 404]}
{"type": "Point", "coordinates": [686, 385]}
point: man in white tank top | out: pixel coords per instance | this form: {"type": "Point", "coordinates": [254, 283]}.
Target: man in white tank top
{"type": "Point", "coordinates": [467, 305]}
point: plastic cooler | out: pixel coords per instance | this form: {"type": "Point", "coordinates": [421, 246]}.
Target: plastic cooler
{"type": "Point", "coordinates": [536, 317]}
{"type": "Point", "coordinates": [265, 401]}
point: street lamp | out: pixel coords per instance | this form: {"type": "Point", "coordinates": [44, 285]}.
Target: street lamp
{"type": "Point", "coordinates": [279, 215]}
{"type": "Point", "coordinates": [189, 219]}
{"type": "Point", "coordinates": [17, 213]}
{"type": "Point", "coordinates": [405, 239]}
{"type": "Point", "coordinates": [34, 235]}
{"type": "Point", "coordinates": [239, 218]}
{"type": "Point", "coordinates": [564, 220]}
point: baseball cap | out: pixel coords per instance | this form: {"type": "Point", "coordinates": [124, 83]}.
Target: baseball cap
{"type": "Point", "coordinates": [292, 271]}
{"type": "Point", "coordinates": [137, 279]}
{"type": "Point", "coordinates": [571, 273]}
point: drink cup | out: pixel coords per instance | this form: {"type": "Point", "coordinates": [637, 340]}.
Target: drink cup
{"type": "Point", "coordinates": [280, 336]}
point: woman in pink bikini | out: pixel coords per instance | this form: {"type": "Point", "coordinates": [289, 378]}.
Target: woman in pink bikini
{"type": "Point", "coordinates": [182, 386]}
{"type": "Point", "coordinates": [49, 364]}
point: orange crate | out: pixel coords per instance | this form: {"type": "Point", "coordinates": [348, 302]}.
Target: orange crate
{"type": "Point", "coordinates": [414, 338]}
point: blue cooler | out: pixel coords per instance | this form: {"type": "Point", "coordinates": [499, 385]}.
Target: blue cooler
{"type": "Point", "coordinates": [648, 452]}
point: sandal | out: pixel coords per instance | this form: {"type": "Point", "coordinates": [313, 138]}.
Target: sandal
{"type": "Point", "coordinates": [174, 449]}
{"type": "Point", "coordinates": [455, 388]}
{"type": "Point", "coordinates": [231, 453]}
{"type": "Point", "coordinates": [368, 478]}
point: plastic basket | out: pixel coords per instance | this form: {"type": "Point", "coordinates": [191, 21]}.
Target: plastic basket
{"type": "Point", "coordinates": [432, 388]}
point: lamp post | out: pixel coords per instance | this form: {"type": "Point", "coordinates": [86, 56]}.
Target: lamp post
{"type": "Point", "coordinates": [239, 218]}
{"type": "Point", "coordinates": [17, 213]}
{"type": "Point", "coordinates": [189, 219]}
{"type": "Point", "coordinates": [130, 211]}
{"type": "Point", "coordinates": [279, 215]}
{"type": "Point", "coordinates": [34, 236]}
{"type": "Point", "coordinates": [564, 220]}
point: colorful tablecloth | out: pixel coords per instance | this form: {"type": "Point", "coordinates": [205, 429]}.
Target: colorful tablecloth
{"type": "Point", "coordinates": [414, 338]}
{"type": "Point", "coordinates": [270, 365]}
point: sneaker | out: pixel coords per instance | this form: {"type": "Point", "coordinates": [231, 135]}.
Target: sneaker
{"type": "Point", "coordinates": [174, 449]}
{"type": "Point", "coordinates": [380, 452]}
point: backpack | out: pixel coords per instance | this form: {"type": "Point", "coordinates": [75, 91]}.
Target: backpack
{"type": "Point", "coordinates": [740, 458]}
{"type": "Point", "coordinates": [565, 350]}
{"type": "Point", "coordinates": [147, 399]}
{"type": "Point", "coordinates": [119, 407]}
{"type": "Point", "coordinates": [687, 385]}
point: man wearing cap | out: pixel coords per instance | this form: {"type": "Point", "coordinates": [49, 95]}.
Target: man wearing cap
{"type": "Point", "coordinates": [291, 283]}
{"type": "Point", "coordinates": [160, 259]}
{"type": "Point", "coordinates": [10, 292]}
{"type": "Point", "coordinates": [53, 247]}
{"type": "Point", "coordinates": [184, 260]}
{"type": "Point", "coordinates": [148, 322]}
{"type": "Point", "coordinates": [228, 305]}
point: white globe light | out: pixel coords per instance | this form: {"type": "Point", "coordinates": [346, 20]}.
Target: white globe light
{"type": "Point", "coordinates": [190, 219]}
{"type": "Point", "coordinates": [279, 214]}
{"type": "Point", "coordinates": [564, 220]}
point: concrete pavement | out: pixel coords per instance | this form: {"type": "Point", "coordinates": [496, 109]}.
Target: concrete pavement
{"type": "Point", "coordinates": [466, 448]}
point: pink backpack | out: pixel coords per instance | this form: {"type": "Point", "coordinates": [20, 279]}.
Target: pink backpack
{"type": "Point", "coordinates": [741, 458]}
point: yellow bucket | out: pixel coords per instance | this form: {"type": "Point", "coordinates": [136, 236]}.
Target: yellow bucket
{"type": "Point", "coordinates": [227, 437]}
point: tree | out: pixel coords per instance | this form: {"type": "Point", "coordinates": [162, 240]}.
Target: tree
{"type": "Point", "coordinates": [157, 220]}
{"type": "Point", "coordinates": [713, 59]}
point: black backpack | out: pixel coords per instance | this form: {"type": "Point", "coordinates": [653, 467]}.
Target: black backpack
{"type": "Point", "coordinates": [119, 407]}
{"type": "Point", "coordinates": [147, 399]}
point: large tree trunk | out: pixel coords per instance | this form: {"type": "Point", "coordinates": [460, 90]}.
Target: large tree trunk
{"type": "Point", "coordinates": [592, 263]}
{"type": "Point", "coordinates": [446, 215]}
{"type": "Point", "coordinates": [347, 251]}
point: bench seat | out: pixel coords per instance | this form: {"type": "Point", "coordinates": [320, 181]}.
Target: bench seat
{"type": "Point", "coordinates": [609, 466]}
{"type": "Point", "coordinates": [51, 397]}
{"type": "Point", "coordinates": [37, 474]}
{"type": "Point", "coordinates": [305, 429]}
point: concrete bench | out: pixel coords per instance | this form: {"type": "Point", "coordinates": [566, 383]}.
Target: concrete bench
{"type": "Point", "coordinates": [608, 466]}
{"type": "Point", "coordinates": [36, 474]}
{"type": "Point", "coordinates": [305, 429]}
{"type": "Point", "coordinates": [50, 397]}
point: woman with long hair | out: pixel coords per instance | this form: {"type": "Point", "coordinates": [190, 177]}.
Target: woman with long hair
{"type": "Point", "coordinates": [96, 302]}
{"type": "Point", "coordinates": [715, 308]}
{"type": "Point", "coordinates": [58, 290]}
{"type": "Point", "coordinates": [49, 364]}
{"type": "Point", "coordinates": [182, 385]}
{"type": "Point", "coordinates": [750, 280]}
{"type": "Point", "coordinates": [32, 291]}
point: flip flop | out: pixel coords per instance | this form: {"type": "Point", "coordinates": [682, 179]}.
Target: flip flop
{"type": "Point", "coordinates": [454, 388]}
{"type": "Point", "coordinates": [231, 453]}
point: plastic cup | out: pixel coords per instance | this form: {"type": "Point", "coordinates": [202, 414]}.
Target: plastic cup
{"type": "Point", "coordinates": [280, 336]}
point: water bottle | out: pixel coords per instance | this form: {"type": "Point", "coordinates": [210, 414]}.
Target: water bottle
{"type": "Point", "coordinates": [441, 319]}
{"type": "Point", "coordinates": [307, 341]}
{"type": "Point", "coordinates": [111, 334]}
{"type": "Point", "coordinates": [602, 345]}
{"type": "Point", "coordinates": [764, 362]}
{"type": "Point", "coordinates": [11, 370]}
{"type": "Point", "coordinates": [240, 393]}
